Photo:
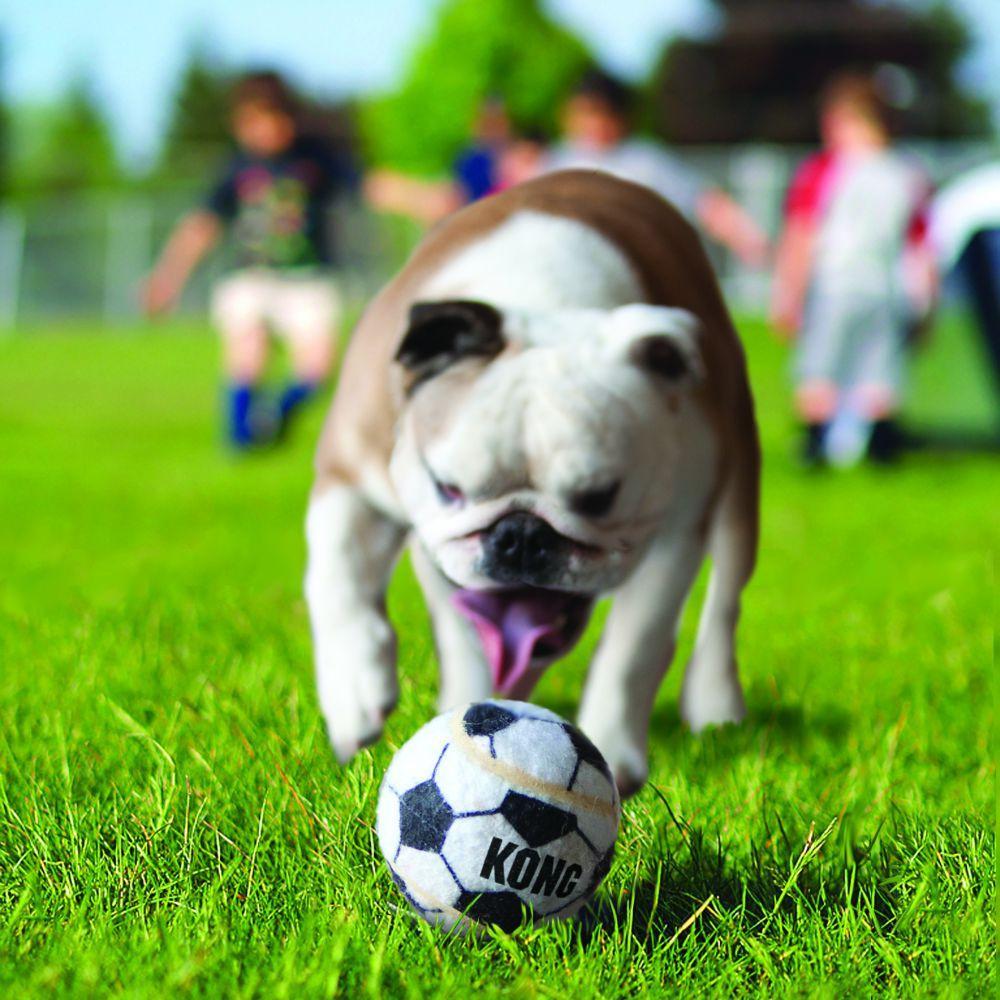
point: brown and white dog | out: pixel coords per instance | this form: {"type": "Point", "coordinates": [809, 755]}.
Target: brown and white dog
{"type": "Point", "coordinates": [550, 403]}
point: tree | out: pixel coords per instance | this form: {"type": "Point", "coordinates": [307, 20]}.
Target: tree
{"type": "Point", "coordinates": [198, 126]}
{"type": "Point", "coordinates": [63, 147]}
{"type": "Point", "coordinates": [478, 48]}
{"type": "Point", "coordinates": [757, 78]}
{"type": "Point", "coordinates": [4, 125]}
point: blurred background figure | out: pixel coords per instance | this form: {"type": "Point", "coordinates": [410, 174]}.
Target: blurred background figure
{"type": "Point", "coordinates": [965, 232]}
{"type": "Point", "coordinates": [475, 172]}
{"type": "Point", "coordinates": [272, 196]}
{"type": "Point", "coordinates": [103, 147]}
{"type": "Point", "coordinates": [853, 270]}
{"type": "Point", "coordinates": [597, 135]}
{"type": "Point", "coordinates": [477, 168]}
{"type": "Point", "coordinates": [523, 158]}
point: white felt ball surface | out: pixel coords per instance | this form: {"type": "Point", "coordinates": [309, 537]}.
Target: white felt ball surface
{"type": "Point", "coordinates": [495, 811]}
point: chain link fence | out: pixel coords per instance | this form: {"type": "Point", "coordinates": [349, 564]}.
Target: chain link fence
{"type": "Point", "coordinates": [85, 257]}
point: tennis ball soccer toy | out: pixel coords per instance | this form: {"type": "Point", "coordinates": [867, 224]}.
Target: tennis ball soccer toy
{"type": "Point", "coordinates": [495, 810]}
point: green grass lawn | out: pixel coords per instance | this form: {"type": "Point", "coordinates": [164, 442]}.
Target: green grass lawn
{"type": "Point", "coordinates": [172, 822]}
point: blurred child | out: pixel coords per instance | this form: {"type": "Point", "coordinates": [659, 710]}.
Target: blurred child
{"type": "Point", "coordinates": [597, 136]}
{"type": "Point", "coordinates": [476, 169]}
{"type": "Point", "coordinates": [475, 173]}
{"type": "Point", "coordinates": [965, 234]}
{"type": "Point", "coordinates": [272, 196]}
{"type": "Point", "coordinates": [854, 216]}
{"type": "Point", "coordinates": [522, 159]}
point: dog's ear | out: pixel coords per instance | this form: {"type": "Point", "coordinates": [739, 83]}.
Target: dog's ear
{"type": "Point", "coordinates": [441, 333]}
{"type": "Point", "coordinates": [658, 339]}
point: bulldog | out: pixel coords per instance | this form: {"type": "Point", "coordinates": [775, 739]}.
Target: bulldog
{"type": "Point", "coordinates": [549, 403]}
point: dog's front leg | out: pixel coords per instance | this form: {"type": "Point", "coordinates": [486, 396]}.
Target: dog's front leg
{"type": "Point", "coordinates": [634, 654]}
{"type": "Point", "coordinates": [465, 674]}
{"type": "Point", "coordinates": [352, 548]}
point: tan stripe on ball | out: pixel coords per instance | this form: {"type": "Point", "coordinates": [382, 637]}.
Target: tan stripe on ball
{"type": "Point", "coordinates": [522, 779]}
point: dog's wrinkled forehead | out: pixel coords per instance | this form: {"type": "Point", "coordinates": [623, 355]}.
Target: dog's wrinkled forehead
{"type": "Point", "coordinates": [659, 340]}
{"type": "Point", "coordinates": [531, 416]}
{"type": "Point", "coordinates": [506, 399]}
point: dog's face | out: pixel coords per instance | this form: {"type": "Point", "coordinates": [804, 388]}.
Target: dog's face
{"type": "Point", "coordinates": [537, 457]}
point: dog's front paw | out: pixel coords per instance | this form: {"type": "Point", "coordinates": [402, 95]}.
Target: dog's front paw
{"type": "Point", "coordinates": [711, 699]}
{"type": "Point", "coordinates": [358, 687]}
{"type": "Point", "coordinates": [625, 756]}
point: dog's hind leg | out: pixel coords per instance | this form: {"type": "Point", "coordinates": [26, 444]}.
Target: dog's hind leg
{"type": "Point", "coordinates": [352, 549]}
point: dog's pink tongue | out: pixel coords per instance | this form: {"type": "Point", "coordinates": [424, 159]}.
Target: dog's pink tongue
{"type": "Point", "coordinates": [510, 624]}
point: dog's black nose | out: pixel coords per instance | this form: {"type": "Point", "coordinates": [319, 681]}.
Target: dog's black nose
{"type": "Point", "coordinates": [522, 548]}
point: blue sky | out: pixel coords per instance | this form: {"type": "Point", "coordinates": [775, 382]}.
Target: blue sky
{"type": "Point", "coordinates": [132, 48]}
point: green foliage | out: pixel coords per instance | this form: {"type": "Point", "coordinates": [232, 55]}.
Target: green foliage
{"type": "Point", "coordinates": [198, 127]}
{"type": "Point", "coordinates": [962, 113]}
{"type": "Point", "coordinates": [63, 147]}
{"type": "Point", "coordinates": [477, 48]}
{"type": "Point", "coordinates": [4, 122]}
{"type": "Point", "coordinates": [172, 822]}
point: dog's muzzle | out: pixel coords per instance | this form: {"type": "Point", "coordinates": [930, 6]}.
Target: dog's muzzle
{"type": "Point", "coordinates": [523, 549]}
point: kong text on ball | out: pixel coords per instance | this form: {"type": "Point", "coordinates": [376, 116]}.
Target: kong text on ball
{"type": "Point", "coordinates": [497, 810]}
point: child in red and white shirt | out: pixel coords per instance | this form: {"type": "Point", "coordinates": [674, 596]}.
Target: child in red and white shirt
{"type": "Point", "coordinates": [853, 270]}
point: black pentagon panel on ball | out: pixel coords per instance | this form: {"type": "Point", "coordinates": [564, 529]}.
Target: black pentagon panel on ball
{"type": "Point", "coordinates": [601, 869]}
{"type": "Point", "coordinates": [587, 751]}
{"type": "Point", "coordinates": [503, 909]}
{"type": "Point", "coordinates": [536, 822]}
{"type": "Point", "coordinates": [424, 817]}
{"type": "Point", "coordinates": [485, 719]}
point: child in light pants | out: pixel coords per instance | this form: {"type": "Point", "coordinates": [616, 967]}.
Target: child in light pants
{"type": "Point", "coordinates": [301, 310]}
{"type": "Point", "coordinates": [273, 197]}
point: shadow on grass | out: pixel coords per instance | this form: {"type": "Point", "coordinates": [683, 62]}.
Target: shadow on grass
{"type": "Point", "coordinates": [952, 440]}
{"type": "Point", "coordinates": [824, 875]}
{"type": "Point", "coordinates": [783, 726]}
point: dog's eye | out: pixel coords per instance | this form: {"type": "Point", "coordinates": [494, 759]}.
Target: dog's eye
{"type": "Point", "coordinates": [596, 502]}
{"type": "Point", "coordinates": [448, 492]}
